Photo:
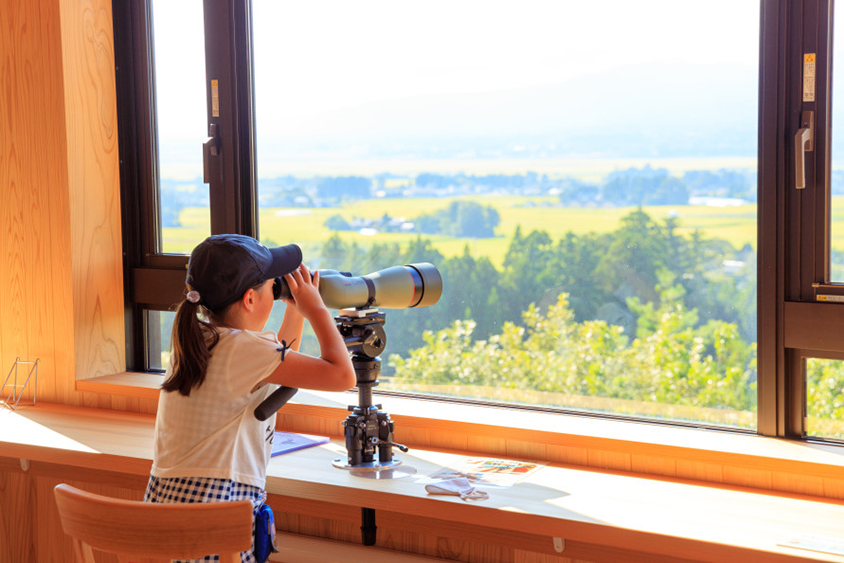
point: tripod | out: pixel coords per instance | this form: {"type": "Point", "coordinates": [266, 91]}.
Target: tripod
{"type": "Point", "coordinates": [367, 428]}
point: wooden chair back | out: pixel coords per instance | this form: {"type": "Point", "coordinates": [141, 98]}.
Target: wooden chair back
{"type": "Point", "coordinates": [149, 532]}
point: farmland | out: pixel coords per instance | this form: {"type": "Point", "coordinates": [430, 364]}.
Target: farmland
{"type": "Point", "coordinates": [305, 226]}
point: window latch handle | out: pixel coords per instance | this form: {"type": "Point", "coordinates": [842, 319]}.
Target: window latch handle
{"type": "Point", "coordinates": [210, 148]}
{"type": "Point", "coordinates": [803, 144]}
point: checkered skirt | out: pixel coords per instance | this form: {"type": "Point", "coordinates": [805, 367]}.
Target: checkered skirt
{"type": "Point", "coordinates": [206, 489]}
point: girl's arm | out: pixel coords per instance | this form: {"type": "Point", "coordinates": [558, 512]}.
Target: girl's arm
{"type": "Point", "coordinates": [332, 370]}
{"type": "Point", "coordinates": [292, 325]}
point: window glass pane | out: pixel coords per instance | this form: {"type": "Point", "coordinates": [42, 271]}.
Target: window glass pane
{"type": "Point", "coordinates": [181, 119]}
{"type": "Point", "coordinates": [825, 398]}
{"type": "Point", "coordinates": [159, 325]}
{"type": "Point", "coordinates": [582, 174]}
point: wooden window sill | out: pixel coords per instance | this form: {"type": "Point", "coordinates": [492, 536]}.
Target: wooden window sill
{"type": "Point", "coordinates": [593, 512]}
{"type": "Point", "coordinates": [722, 458]}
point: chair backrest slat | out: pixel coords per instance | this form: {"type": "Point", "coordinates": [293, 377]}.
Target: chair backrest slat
{"type": "Point", "coordinates": [153, 530]}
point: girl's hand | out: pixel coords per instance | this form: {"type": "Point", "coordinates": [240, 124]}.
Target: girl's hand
{"type": "Point", "coordinates": [332, 370]}
{"type": "Point", "coordinates": [304, 290]}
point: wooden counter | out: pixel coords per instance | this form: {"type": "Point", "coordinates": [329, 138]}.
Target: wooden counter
{"type": "Point", "coordinates": [599, 516]}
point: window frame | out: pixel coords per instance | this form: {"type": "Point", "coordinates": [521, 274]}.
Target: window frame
{"type": "Point", "coordinates": [793, 234]}
{"type": "Point", "coordinates": [154, 280]}
{"type": "Point", "coordinates": [806, 328]}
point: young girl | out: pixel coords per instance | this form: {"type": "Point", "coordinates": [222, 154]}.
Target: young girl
{"type": "Point", "coordinates": [209, 446]}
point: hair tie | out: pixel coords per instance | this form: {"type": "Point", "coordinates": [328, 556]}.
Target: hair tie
{"type": "Point", "coordinates": [193, 296]}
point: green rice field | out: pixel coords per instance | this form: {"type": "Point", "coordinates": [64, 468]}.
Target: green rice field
{"type": "Point", "coordinates": [306, 226]}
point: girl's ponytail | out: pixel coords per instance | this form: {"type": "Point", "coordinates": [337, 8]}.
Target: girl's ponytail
{"type": "Point", "coordinates": [192, 341]}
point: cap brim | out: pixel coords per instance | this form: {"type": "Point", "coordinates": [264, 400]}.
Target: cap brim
{"type": "Point", "coordinates": [285, 260]}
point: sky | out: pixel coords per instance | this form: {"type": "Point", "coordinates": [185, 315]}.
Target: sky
{"type": "Point", "coordinates": [315, 57]}
{"type": "Point", "coordinates": [351, 52]}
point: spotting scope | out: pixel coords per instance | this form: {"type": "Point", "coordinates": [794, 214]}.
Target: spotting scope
{"type": "Point", "coordinates": [397, 287]}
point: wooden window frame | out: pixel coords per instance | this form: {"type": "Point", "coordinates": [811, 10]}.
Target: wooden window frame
{"type": "Point", "coordinates": [794, 232]}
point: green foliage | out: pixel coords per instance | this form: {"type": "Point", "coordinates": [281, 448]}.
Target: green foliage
{"type": "Point", "coordinates": [674, 363]}
{"type": "Point", "coordinates": [460, 219]}
{"type": "Point", "coordinates": [637, 251]}
{"type": "Point", "coordinates": [337, 223]}
{"type": "Point", "coordinates": [647, 186]}
{"type": "Point", "coordinates": [825, 389]}
{"type": "Point", "coordinates": [641, 314]}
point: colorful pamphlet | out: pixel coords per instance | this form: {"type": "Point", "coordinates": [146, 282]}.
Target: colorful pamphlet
{"type": "Point", "coordinates": [286, 442]}
{"type": "Point", "coordinates": [483, 471]}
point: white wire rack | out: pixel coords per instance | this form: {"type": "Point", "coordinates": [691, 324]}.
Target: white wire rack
{"type": "Point", "coordinates": [16, 389]}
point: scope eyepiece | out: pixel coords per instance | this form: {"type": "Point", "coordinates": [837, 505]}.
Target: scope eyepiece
{"type": "Point", "coordinates": [282, 291]}
{"type": "Point", "coordinates": [277, 288]}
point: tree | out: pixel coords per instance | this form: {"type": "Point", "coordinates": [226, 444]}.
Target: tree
{"type": "Point", "coordinates": [526, 275]}
{"type": "Point", "coordinates": [460, 219]}
{"type": "Point", "coordinates": [339, 255]}
{"type": "Point", "coordinates": [337, 223]}
{"type": "Point", "coordinates": [637, 251]}
{"type": "Point", "coordinates": [472, 219]}
{"type": "Point", "coordinates": [462, 276]}
{"type": "Point", "coordinates": [647, 186]}
{"type": "Point", "coordinates": [573, 272]}
{"type": "Point", "coordinates": [575, 192]}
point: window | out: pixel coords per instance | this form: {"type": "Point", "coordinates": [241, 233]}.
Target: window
{"type": "Point", "coordinates": [837, 164]}
{"type": "Point", "coordinates": [592, 199]}
{"type": "Point", "coordinates": [156, 233]}
{"type": "Point", "coordinates": [594, 173]}
{"type": "Point", "coordinates": [802, 319]}
{"type": "Point", "coordinates": [180, 125]}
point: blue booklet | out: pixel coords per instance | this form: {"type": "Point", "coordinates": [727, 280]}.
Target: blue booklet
{"type": "Point", "coordinates": [286, 442]}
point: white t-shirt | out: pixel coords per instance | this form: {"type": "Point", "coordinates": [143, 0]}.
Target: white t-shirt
{"type": "Point", "coordinates": [213, 432]}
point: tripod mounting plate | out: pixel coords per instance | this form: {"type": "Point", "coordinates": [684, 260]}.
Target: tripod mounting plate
{"type": "Point", "coordinates": [356, 312]}
{"type": "Point", "coordinates": [343, 463]}
{"type": "Point", "coordinates": [375, 470]}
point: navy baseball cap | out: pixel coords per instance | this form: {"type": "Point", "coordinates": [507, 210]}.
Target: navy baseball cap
{"type": "Point", "coordinates": [222, 267]}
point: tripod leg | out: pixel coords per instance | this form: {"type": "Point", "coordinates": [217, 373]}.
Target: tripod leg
{"type": "Point", "coordinates": [368, 529]}
{"type": "Point", "coordinates": [385, 438]}
{"type": "Point", "coordinates": [354, 448]}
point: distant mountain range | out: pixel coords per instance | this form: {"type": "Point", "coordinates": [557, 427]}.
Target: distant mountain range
{"type": "Point", "coordinates": [667, 110]}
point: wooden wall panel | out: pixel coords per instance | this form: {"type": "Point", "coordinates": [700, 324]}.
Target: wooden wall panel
{"type": "Point", "coordinates": [35, 252]}
{"type": "Point", "coordinates": [17, 535]}
{"type": "Point", "coordinates": [447, 540]}
{"type": "Point", "coordinates": [61, 291]}
{"type": "Point", "coordinates": [94, 185]}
